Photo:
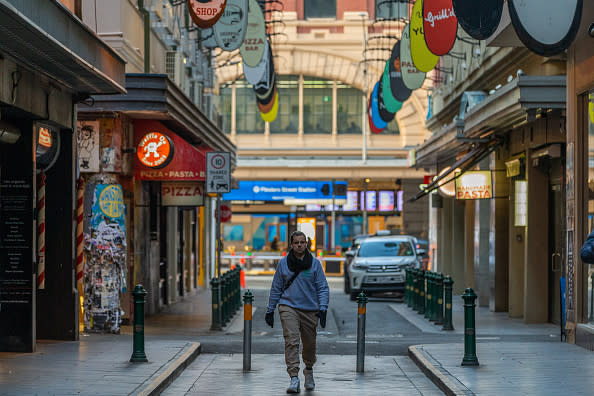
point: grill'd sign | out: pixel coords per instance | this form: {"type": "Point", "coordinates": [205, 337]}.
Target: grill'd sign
{"type": "Point", "coordinates": [474, 185]}
{"type": "Point", "coordinates": [155, 150]}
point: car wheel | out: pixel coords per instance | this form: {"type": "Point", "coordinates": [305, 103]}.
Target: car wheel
{"type": "Point", "coordinates": [354, 296]}
{"type": "Point", "coordinates": [347, 284]}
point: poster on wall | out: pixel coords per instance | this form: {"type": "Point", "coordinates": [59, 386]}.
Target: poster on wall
{"type": "Point", "coordinates": [87, 137]}
{"type": "Point", "coordinates": [104, 275]}
{"type": "Point", "coordinates": [111, 143]}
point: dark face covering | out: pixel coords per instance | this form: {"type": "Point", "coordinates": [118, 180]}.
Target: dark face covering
{"type": "Point", "coordinates": [299, 265]}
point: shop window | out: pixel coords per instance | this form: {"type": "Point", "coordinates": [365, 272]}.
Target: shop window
{"type": "Point", "coordinates": [287, 119]}
{"type": "Point", "coordinates": [317, 106]}
{"type": "Point", "coordinates": [248, 114]}
{"type": "Point", "coordinates": [233, 233]}
{"type": "Point", "coordinates": [350, 109]}
{"type": "Point", "coordinates": [392, 9]}
{"type": "Point", "coordinates": [319, 8]}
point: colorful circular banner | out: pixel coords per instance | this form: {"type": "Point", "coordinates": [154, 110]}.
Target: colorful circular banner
{"type": "Point", "coordinates": [271, 116]}
{"type": "Point", "coordinates": [266, 106]}
{"type": "Point", "coordinates": [230, 29]}
{"type": "Point", "coordinates": [254, 75]}
{"type": "Point", "coordinates": [478, 18]}
{"type": "Point", "coordinates": [155, 150]}
{"type": "Point", "coordinates": [208, 38]}
{"type": "Point", "coordinates": [205, 13]}
{"type": "Point", "coordinates": [546, 30]}
{"type": "Point", "coordinates": [391, 103]}
{"type": "Point", "coordinates": [372, 127]}
{"type": "Point", "coordinates": [440, 25]}
{"type": "Point", "coordinates": [375, 117]}
{"type": "Point", "coordinates": [423, 59]}
{"type": "Point", "coordinates": [412, 77]}
{"type": "Point", "coordinates": [399, 90]}
{"type": "Point", "coordinates": [385, 115]}
{"type": "Point", "coordinates": [254, 42]}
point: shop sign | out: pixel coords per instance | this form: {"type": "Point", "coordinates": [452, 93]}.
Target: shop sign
{"type": "Point", "coordinates": [155, 150]}
{"type": "Point", "coordinates": [399, 90]}
{"type": "Point", "coordinates": [412, 77]}
{"type": "Point", "coordinates": [45, 137]}
{"type": "Point", "coordinates": [182, 194]}
{"type": "Point", "coordinates": [478, 18]}
{"type": "Point", "coordinates": [254, 42]}
{"type": "Point", "coordinates": [423, 59]}
{"type": "Point", "coordinates": [186, 164]}
{"type": "Point", "coordinates": [205, 13]}
{"type": "Point", "coordinates": [230, 29]}
{"type": "Point", "coordinates": [440, 25]}
{"type": "Point", "coordinates": [474, 185]}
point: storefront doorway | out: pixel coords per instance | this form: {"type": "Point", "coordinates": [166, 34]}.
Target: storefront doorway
{"type": "Point", "coordinates": [556, 235]}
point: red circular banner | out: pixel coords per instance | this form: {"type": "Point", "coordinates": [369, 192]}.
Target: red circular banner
{"type": "Point", "coordinates": [155, 150]}
{"type": "Point", "coordinates": [205, 13]}
{"type": "Point", "coordinates": [440, 25]}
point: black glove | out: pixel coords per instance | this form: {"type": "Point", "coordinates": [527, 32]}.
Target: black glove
{"type": "Point", "coordinates": [269, 318]}
{"type": "Point", "coordinates": [322, 316]}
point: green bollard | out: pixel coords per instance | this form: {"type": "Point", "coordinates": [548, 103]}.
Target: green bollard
{"type": "Point", "coordinates": [429, 294]}
{"type": "Point", "coordinates": [422, 293]}
{"type": "Point", "coordinates": [216, 306]}
{"type": "Point", "coordinates": [439, 298]}
{"type": "Point", "coordinates": [415, 296]}
{"type": "Point", "coordinates": [238, 286]}
{"type": "Point", "coordinates": [591, 318]}
{"type": "Point", "coordinates": [138, 354]}
{"type": "Point", "coordinates": [470, 358]}
{"type": "Point", "coordinates": [410, 287]}
{"type": "Point", "coordinates": [225, 289]}
{"type": "Point", "coordinates": [433, 297]}
{"type": "Point", "coordinates": [448, 286]}
{"type": "Point", "coordinates": [406, 285]}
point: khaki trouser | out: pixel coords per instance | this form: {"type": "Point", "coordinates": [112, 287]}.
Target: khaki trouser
{"type": "Point", "coordinates": [297, 323]}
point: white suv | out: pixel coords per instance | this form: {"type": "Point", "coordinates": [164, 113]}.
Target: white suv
{"type": "Point", "coordinates": [379, 264]}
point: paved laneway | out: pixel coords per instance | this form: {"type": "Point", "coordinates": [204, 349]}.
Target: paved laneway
{"type": "Point", "coordinates": [334, 374]}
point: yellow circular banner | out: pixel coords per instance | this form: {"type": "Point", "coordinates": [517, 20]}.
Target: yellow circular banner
{"type": "Point", "coordinates": [271, 116]}
{"type": "Point", "coordinates": [423, 59]}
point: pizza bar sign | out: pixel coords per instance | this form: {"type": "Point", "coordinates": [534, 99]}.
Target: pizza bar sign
{"type": "Point", "coordinates": [182, 193]}
{"type": "Point", "coordinates": [474, 185]}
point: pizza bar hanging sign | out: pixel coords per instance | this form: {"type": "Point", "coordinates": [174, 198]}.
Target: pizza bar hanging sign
{"type": "Point", "coordinates": [205, 13]}
{"type": "Point", "coordinates": [440, 25]}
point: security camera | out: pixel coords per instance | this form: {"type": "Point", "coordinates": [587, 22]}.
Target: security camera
{"type": "Point", "coordinates": [591, 30]}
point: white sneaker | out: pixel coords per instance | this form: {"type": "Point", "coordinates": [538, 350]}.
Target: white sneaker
{"type": "Point", "coordinates": [294, 386]}
{"type": "Point", "coordinates": [309, 380]}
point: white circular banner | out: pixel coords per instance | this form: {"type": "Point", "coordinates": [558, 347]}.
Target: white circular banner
{"type": "Point", "coordinates": [254, 75]}
{"type": "Point", "coordinates": [413, 78]}
{"type": "Point", "coordinates": [230, 29]}
{"type": "Point", "coordinates": [254, 42]}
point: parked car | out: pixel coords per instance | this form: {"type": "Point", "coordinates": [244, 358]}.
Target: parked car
{"type": "Point", "coordinates": [379, 264]}
{"type": "Point", "coordinates": [348, 258]}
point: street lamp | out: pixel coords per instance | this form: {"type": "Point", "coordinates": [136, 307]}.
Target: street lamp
{"type": "Point", "coordinates": [363, 16]}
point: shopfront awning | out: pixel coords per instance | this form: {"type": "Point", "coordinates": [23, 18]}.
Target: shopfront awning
{"type": "Point", "coordinates": [156, 97]}
{"type": "Point", "coordinates": [512, 105]}
{"type": "Point", "coordinates": [466, 162]}
{"type": "Point", "coordinates": [45, 37]}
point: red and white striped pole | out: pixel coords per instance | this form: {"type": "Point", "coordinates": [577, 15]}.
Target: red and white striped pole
{"type": "Point", "coordinates": [41, 232]}
{"type": "Point", "coordinates": [79, 229]}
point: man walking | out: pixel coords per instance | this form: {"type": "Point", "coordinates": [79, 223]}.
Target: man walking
{"type": "Point", "coordinates": [300, 289]}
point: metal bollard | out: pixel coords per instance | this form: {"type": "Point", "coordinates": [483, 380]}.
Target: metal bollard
{"type": "Point", "coordinates": [361, 312]}
{"type": "Point", "coordinates": [406, 280]}
{"type": "Point", "coordinates": [138, 354]}
{"type": "Point", "coordinates": [429, 295]}
{"type": "Point", "coordinates": [411, 271]}
{"type": "Point", "coordinates": [591, 318]}
{"type": "Point", "coordinates": [448, 286]}
{"type": "Point", "coordinates": [421, 292]}
{"type": "Point", "coordinates": [248, 298]}
{"type": "Point", "coordinates": [216, 306]}
{"type": "Point", "coordinates": [238, 286]}
{"type": "Point", "coordinates": [225, 297]}
{"type": "Point", "coordinates": [439, 298]}
{"type": "Point", "coordinates": [416, 291]}
{"type": "Point", "coordinates": [470, 358]}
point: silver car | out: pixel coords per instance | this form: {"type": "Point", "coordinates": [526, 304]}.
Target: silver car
{"type": "Point", "coordinates": [379, 264]}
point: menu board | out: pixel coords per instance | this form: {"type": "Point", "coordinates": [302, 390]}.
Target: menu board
{"type": "Point", "coordinates": [386, 201]}
{"type": "Point", "coordinates": [351, 203]}
{"type": "Point", "coordinates": [370, 202]}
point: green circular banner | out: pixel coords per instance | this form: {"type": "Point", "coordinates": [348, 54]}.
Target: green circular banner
{"type": "Point", "coordinates": [392, 105]}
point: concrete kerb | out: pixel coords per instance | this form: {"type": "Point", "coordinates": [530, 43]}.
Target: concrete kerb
{"type": "Point", "coordinates": [158, 382]}
{"type": "Point", "coordinates": [437, 374]}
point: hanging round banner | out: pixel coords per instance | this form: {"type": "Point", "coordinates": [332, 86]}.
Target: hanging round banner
{"type": "Point", "coordinates": [253, 75]}
{"type": "Point", "coordinates": [266, 107]}
{"type": "Point", "coordinates": [205, 13]}
{"type": "Point", "coordinates": [208, 38]}
{"type": "Point", "coordinates": [412, 77]}
{"type": "Point", "coordinates": [264, 87]}
{"type": "Point", "coordinates": [478, 18]}
{"type": "Point", "coordinates": [375, 117]}
{"type": "Point", "coordinates": [155, 150]}
{"type": "Point", "coordinates": [423, 59]}
{"type": "Point", "coordinates": [389, 100]}
{"type": "Point", "coordinates": [254, 42]}
{"type": "Point", "coordinates": [399, 90]}
{"type": "Point", "coordinates": [271, 115]}
{"type": "Point", "coordinates": [440, 25]}
{"type": "Point", "coordinates": [384, 114]}
{"type": "Point", "coordinates": [546, 30]}
{"type": "Point", "coordinates": [372, 127]}
{"type": "Point", "coordinates": [230, 29]}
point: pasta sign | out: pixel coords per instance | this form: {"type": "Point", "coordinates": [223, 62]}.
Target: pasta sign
{"type": "Point", "coordinates": [474, 185]}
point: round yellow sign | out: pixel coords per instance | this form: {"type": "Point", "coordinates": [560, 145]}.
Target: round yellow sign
{"type": "Point", "coordinates": [422, 58]}
{"type": "Point", "coordinates": [271, 115]}
{"type": "Point", "coordinates": [111, 201]}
